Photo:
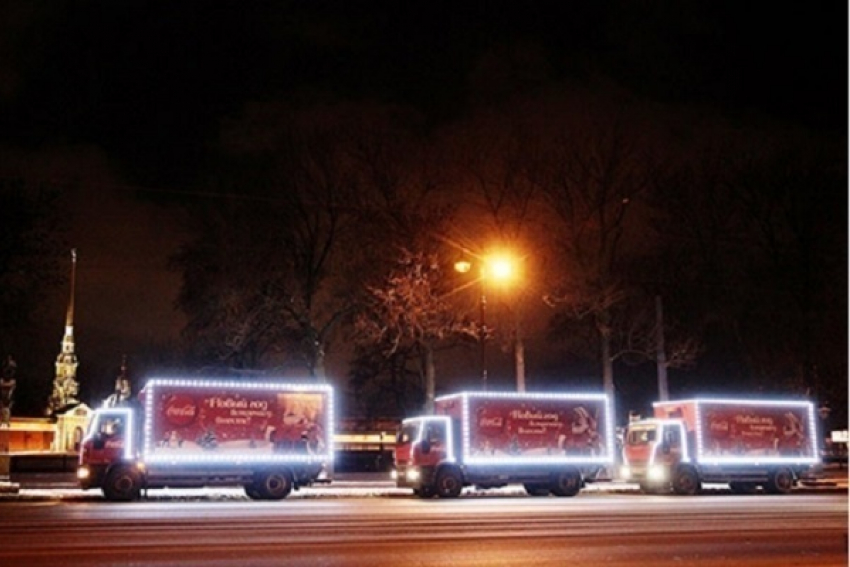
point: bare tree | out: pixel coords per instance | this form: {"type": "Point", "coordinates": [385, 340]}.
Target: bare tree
{"type": "Point", "coordinates": [782, 192]}
{"type": "Point", "coordinates": [591, 181]}
{"type": "Point", "coordinates": [230, 280]}
{"type": "Point", "coordinates": [287, 237]}
{"type": "Point", "coordinates": [410, 311]}
{"type": "Point", "coordinates": [501, 209]}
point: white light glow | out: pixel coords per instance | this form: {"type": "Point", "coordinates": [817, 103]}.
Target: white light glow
{"type": "Point", "coordinates": [447, 424]}
{"type": "Point", "coordinates": [747, 460]}
{"type": "Point", "coordinates": [606, 458]}
{"type": "Point", "coordinates": [660, 426]}
{"type": "Point", "coordinates": [128, 433]}
{"type": "Point", "coordinates": [229, 457]}
{"type": "Point", "coordinates": [657, 473]}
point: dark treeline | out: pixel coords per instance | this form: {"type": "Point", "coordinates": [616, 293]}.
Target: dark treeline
{"type": "Point", "coordinates": [320, 168]}
{"type": "Point", "coordinates": [335, 228]}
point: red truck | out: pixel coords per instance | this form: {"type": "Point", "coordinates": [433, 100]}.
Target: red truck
{"type": "Point", "coordinates": [550, 443]}
{"type": "Point", "coordinates": [270, 437]}
{"type": "Point", "coordinates": [743, 443]}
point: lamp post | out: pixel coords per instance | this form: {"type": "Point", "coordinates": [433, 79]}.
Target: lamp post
{"type": "Point", "coordinates": [496, 268]}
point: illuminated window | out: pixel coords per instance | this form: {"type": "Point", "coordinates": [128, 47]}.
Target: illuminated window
{"type": "Point", "coordinates": [408, 433]}
{"type": "Point", "coordinates": [641, 436]}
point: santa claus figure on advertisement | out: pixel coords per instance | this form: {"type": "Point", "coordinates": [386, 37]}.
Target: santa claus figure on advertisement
{"type": "Point", "coordinates": [583, 435]}
{"type": "Point", "coordinates": [793, 435]}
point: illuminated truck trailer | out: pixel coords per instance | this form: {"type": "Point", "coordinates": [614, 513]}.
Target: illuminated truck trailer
{"type": "Point", "coordinates": [550, 443]}
{"type": "Point", "coordinates": [744, 443]}
{"type": "Point", "coordinates": [270, 437]}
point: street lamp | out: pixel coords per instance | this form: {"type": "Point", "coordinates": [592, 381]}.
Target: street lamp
{"type": "Point", "coordinates": [497, 268]}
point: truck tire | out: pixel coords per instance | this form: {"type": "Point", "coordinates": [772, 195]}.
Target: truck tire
{"type": "Point", "coordinates": [686, 482]}
{"type": "Point", "coordinates": [565, 483]}
{"type": "Point", "coordinates": [449, 483]}
{"type": "Point", "coordinates": [252, 492]}
{"type": "Point", "coordinates": [122, 484]}
{"type": "Point", "coordinates": [743, 487]}
{"type": "Point", "coordinates": [274, 485]}
{"type": "Point", "coordinates": [425, 492]}
{"type": "Point", "coordinates": [536, 489]}
{"type": "Point", "coordinates": [780, 481]}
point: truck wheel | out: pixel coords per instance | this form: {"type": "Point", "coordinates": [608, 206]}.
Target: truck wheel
{"type": "Point", "coordinates": [252, 492]}
{"type": "Point", "coordinates": [449, 483]}
{"type": "Point", "coordinates": [122, 484]}
{"type": "Point", "coordinates": [743, 487]}
{"type": "Point", "coordinates": [780, 481]}
{"type": "Point", "coordinates": [686, 482]}
{"type": "Point", "coordinates": [566, 483]}
{"type": "Point", "coordinates": [275, 485]}
{"type": "Point", "coordinates": [536, 489]}
{"type": "Point", "coordinates": [425, 492]}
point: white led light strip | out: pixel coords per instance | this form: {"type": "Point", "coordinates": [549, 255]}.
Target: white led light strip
{"type": "Point", "coordinates": [754, 460]}
{"type": "Point", "coordinates": [661, 424]}
{"type": "Point", "coordinates": [421, 422]}
{"type": "Point", "coordinates": [606, 458]}
{"type": "Point", "coordinates": [129, 428]}
{"type": "Point", "coordinates": [151, 456]}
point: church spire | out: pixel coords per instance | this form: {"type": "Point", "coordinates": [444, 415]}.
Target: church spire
{"type": "Point", "coordinates": [69, 316]}
{"type": "Point", "coordinates": [65, 386]}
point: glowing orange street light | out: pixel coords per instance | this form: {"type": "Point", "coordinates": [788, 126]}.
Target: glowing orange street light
{"type": "Point", "coordinates": [499, 268]}
{"type": "Point", "coordinates": [463, 266]}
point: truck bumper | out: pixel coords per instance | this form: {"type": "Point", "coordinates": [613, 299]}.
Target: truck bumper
{"type": "Point", "coordinates": [90, 476]}
{"type": "Point", "coordinates": [644, 474]}
{"type": "Point", "coordinates": [413, 477]}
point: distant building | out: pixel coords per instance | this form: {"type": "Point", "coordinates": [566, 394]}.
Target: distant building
{"type": "Point", "coordinates": [123, 389]}
{"type": "Point", "coordinates": [65, 385]}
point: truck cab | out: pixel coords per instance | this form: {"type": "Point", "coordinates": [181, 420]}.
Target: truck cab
{"type": "Point", "coordinates": [108, 454]}
{"type": "Point", "coordinates": [656, 454]}
{"type": "Point", "coordinates": [745, 445]}
{"type": "Point", "coordinates": [425, 457]}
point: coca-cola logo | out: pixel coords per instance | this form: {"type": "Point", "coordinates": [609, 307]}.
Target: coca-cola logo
{"type": "Point", "coordinates": [719, 426]}
{"type": "Point", "coordinates": [490, 421]}
{"type": "Point", "coordinates": [180, 410]}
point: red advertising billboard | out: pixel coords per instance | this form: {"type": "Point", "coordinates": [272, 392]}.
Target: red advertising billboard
{"type": "Point", "coordinates": [530, 426]}
{"type": "Point", "coordinates": [730, 429]}
{"type": "Point", "coordinates": [185, 419]}
{"type": "Point", "coordinates": [755, 430]}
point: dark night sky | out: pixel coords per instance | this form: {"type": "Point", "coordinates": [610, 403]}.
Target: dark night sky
{"type": "Point", "coordinates": [107, 98]}
{"type": "Point", "coordinates": [150, 82]}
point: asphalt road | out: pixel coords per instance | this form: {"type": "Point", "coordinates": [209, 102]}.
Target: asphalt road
{"type": "Point", "coordinates": [500, 529]}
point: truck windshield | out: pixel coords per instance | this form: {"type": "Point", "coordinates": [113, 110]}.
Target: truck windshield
{"type": "Point", "coordinates": [641, 436]}
{"type": "Point", "coordinates": [111, 426]}
{"type": "Point", "coordinates": [407, 433]}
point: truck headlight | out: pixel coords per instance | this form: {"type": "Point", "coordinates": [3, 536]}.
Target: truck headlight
{"type": "Point", "coordinates": [413, 474]}
{"type": "Point", "coordinates": [394, 474]}
{"type": "Point", "coordinates": [625, 472]}
{"type": "Point", "coordinates": [83, 473]}
{"type": "Point", "coordinates": [657, 473]}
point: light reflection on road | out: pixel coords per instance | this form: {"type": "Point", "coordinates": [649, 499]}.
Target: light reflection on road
{"type": "Point", "coordinates": [591, 528]}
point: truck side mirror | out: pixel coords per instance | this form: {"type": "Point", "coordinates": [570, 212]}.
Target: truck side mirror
{"type": "Point", "coordinates": [425, 446]}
